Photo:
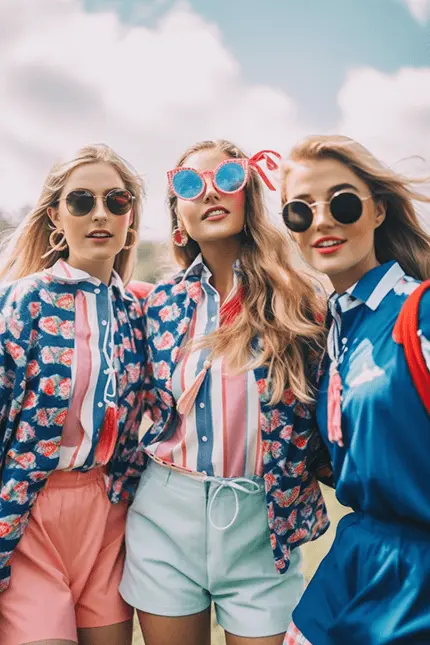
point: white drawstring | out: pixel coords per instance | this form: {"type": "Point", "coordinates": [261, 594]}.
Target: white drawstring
{"type": "Point", "coordinates": [109, 356]}
{"type": "Point", "coordinates": [233, 485]}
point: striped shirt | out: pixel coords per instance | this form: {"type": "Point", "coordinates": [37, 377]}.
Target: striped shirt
{"type": "Point", "coordinates": [94, 328]}
{"type": "Point", "coordinates": [221, 435]}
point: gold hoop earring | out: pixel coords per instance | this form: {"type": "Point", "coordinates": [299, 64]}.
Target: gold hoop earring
{"type": "Point", "coordinates": [56, 246]}
{"type": "Point", "coordinates": [134, 241]}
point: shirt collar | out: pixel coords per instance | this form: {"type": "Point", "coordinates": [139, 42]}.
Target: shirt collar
{"type": "Point", "coordinates": [66, 273]}
{"type": "Point", "coordinates": [198, 268]}
{"type": "Point", "coordinates": [372, 288]}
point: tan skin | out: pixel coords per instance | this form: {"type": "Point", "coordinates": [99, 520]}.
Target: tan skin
{"type": "Point", "coordinates": [316, 181]}
{"type": "Point", "coordinates": [97, 259]}
{"type": "Point", "coordinates": [119, 634]}
{"type": "Point", "coordinates": [219, 241]}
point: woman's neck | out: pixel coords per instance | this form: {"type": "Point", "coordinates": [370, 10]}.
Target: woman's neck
{"type": "Point", "coordinates": [101, 270]}
{"type": "Point", "coordinates": [219, 259]}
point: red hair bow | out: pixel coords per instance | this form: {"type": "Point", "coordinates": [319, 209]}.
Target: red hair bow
{"type": "Point", "coordinates": [271, 165]}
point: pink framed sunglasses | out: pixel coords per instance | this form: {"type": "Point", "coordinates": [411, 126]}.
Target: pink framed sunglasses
{"type": "Point", "coordinates": [229, 177]}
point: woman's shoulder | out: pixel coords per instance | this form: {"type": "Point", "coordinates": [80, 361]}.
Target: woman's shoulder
{"type": "Point", "coordinates": [165, 290]}
{"type": "Point", "coordinates": [16, 293]}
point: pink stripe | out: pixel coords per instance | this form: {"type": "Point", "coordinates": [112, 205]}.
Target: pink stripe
{"type": "Point", "coordinates": [234, 426]}
{"type": "Point", "coordinates": [65, 268]}
{"type": "Point", "coordinates": [259, 466]}
{"type": "Point", "coordinates": [73, 433]}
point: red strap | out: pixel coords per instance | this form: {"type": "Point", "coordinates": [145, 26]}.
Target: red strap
{"type": "Point", "coordinates": [140, 289]}
{"type": "Point", "coordinates": [406, 333]}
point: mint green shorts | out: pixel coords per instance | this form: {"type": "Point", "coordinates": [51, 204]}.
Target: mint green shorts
{"type": "Point", "coordinates": [190, 542]}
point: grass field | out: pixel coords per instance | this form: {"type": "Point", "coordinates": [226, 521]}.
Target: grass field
{"type": "Point", "coordinates": [312, 555]}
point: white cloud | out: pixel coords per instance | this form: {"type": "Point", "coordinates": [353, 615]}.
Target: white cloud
{"type": "Point", "coordinates": [389, 113]}
{"type": "Point", "coordinates": [420, 9]}
{"type": "Point", "coordinates": [68, 77]}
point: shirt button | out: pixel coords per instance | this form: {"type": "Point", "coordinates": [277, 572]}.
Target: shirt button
{"type": "Point", "coordinates": [204, 438]}
{"type": "Point", "coordinates": [97, 290]}
{"type": "Point", "coordinates": [344, 341]}
{"type": "Point", "coordinates": [104, 323]}
{"type": "Point", "coordinates": [100, 404]}
{"type": "Point", "coordinates": [213, 318]}
{"type": "Point", "coordinates": [202, 405]}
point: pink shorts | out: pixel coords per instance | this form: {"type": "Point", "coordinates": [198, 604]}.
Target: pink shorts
{"type": "Point", "coordinates": [295, 637]}
{"type": "Point", "coordinates": [67, 567]}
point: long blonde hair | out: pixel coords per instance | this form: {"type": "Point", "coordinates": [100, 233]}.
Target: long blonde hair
{"type": "Point", "coordinates": [400, 237]}
{"type": "Point", "coordinates": [22, 251]}
{"type": "Point", "coordinates": [280, 305]}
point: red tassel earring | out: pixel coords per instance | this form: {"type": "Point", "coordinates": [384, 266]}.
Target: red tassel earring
{"type": "Point", "coordinates": [180, 237]}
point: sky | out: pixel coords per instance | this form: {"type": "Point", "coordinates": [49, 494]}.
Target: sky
{"type": "Point", "coordinates": [151, 77]}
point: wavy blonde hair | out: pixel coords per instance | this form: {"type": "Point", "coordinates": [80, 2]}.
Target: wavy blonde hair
{"type": "Point", "coordinates": [22, 251]}
{"type": "Point", "coordinates": [280, 305]}
{"type": "Point", "coordinates": [400, 237]}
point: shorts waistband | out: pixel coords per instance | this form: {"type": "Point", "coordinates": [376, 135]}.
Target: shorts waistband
{"type": "Point", "coordinates": [209, 485]}
{"type": "Point", "coordinates": [76, 478]}
{"type": "Point", "coordinates": [195, 480]}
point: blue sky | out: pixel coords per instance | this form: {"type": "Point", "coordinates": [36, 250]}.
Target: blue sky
{"type": "Point", "coordinates": [152, 77]}
{"type": "Point", "coordinates": [305, 47]}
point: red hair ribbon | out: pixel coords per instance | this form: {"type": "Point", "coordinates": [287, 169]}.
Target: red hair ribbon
{"type": "Point", "coordinates": [271, 165]}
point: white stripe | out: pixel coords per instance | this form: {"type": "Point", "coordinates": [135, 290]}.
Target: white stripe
{"type": "Point", "coordinates": [87, 419]}
{"type": "Point", "coordinates": [252, 414]}
{"type": "Point", "coordinates": [384, 286]}
{"type": "Point", "coordinates": [217, 418]}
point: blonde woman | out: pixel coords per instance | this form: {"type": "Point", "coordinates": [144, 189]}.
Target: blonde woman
{"type": "Point", "coordinates": [230, 486]}
{"type": "Point", "coordinates": [354, 220]}
{"type": "Point", "coordinates": [71, 358]}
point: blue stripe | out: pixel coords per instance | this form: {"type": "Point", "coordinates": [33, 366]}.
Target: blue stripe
{"type": "Point", "coordinates": [102, 307]}
{"type": "Point", "coordinates": [204, 421]}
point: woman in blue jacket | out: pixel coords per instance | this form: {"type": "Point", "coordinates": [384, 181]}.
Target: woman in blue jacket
{"type": "Point", "coordinates": [354, 220]}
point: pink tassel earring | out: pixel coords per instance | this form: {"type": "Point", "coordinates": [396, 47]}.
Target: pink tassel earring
{"type": "Point", "coordinates": [334, 409]}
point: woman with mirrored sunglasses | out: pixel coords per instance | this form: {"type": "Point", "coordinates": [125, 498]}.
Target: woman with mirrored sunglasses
{"type": "Point", "coordinates": [354, 220]}
{"type": "Point", "coordinates": [71, 379]}
{"type": "Point", "coordinates": [229, 490]}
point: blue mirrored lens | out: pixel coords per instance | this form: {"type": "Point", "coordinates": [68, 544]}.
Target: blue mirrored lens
{"type": "Point", "coordinates": [230, 177]}
{"type": "Point", "coordinates": [187, 184]}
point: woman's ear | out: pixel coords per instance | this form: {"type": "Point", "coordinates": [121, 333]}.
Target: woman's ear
{"type": "Point", "coordinates": [381, 212]}
{"type": "Point", "coordinates": [53, 215]}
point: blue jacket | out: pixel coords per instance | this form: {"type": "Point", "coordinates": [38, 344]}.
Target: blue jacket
{"type": "Point", "coordinates": [37, 336]}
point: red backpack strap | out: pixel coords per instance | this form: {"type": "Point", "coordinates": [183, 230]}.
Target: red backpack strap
{"type": "Point", "coordinates": [140, 289]}
{"type": "Point", "coordinates": [406, 333]}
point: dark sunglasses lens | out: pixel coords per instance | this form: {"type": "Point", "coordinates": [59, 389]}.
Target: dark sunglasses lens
{"type": "Point", "coordinates": [119, 202]}
{"type": "Point", "coordinates": [187, 184]}
{"type": "Point", "coordinates": [346, 208]}
{"type": "Point", "coordinates": [230, 177]}
{"type": "Point", "coordinates": [297, 216]}
{"type": "Point", "coordinates": [80, 202]}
